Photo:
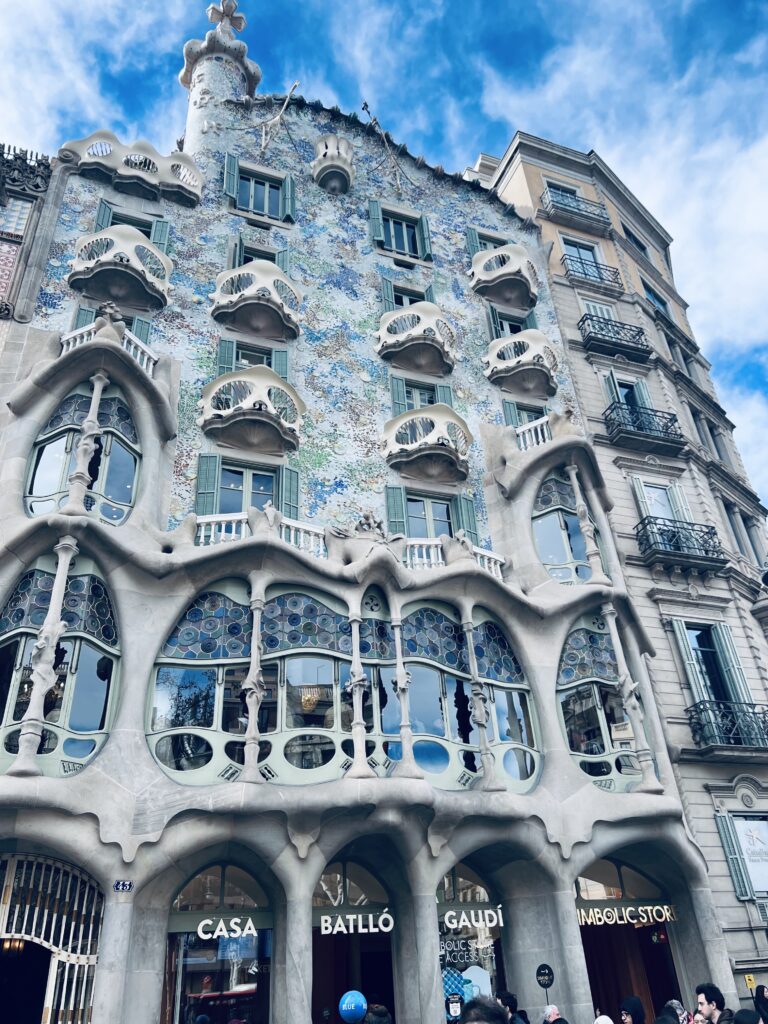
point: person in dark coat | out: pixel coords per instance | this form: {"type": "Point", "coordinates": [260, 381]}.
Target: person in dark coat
{"type": "Point", "coordinates": [746, 1017]}
{"type": "Point", "coordinates": [377, 1014]}
{"type": "Point", "coordinates": [632, 1011]}
{"type": "Point", "coordinates": [711, 1004]}
{"type": "Point", "coordinates": [761, 1002]}
{"type": "Point", "coordinates": [483, 1011]}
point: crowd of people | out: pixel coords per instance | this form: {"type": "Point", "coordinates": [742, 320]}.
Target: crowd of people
{"type": "Point", "coordinates": [710, 1009]}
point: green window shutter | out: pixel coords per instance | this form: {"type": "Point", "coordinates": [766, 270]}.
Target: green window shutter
{"type": "Point", "coordinates": [643, 395]}
{"type": "Point", "coordinates": [423, 238]}
{"type": "Point", "coordinates": [530, 323]}
{"type": "Point", "coordinates": [289, 492]}
{"type": "Point", "coordinates": [429, 293]}
{"type": "Point", "coordinates": [208, 473]}
{"type": "Point", "coordinates": [494, 323]}
{"type": "Point", "coordinates": [377, 222]}
{"type": "Point", "coordinates": [85, 316]}
{"type": "Point", "coordinates": [697, 681]}
{"type": "Point", "coordinates": [397, 388]}
{"type": "Point", "coordinates": [396, 506]}
{"type": "Point", "coordinates": [226, 361]}
{"type": "Point", "coordinates": [288, 199]}
{"type": "Point", "coordinates": [639, 492]}
{"type": "Point", "coordinates": [159, 234]}
{"type": "Point", "coordinates": [236, 251]}
{"type": "Point", "coordinates": [465, 518]}
{"type": "Point", "coordinates": [611, 388]}
{"type": "Point", "coordinates": [387, 295]}
{"type": "Point", "coordinates": [444, 394]}
{"type": "Point", "coordinates": [141, 328]}
{"type": "Point", "coordinates": [730, 840]}
{"type": "Point", "coordinates": [511, 419]}
{"type": "Point", "coordinates": [231, 175]}
{"type": "Point", "coordinates": [473, 242]}
{"type": "Point", "coordinates": [283, 260]}
{"type": "Point", "coordinates": [103, 216]}
{"type": "Point", "coordinates": [280, 363]}
{"type": "Point", "coordinates": [677, 500]}
{"type": "Point", "coordinates": [730, 664]}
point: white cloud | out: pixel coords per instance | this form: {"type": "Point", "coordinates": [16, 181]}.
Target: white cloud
{"type": "Point", "coordinates": [749, 411]}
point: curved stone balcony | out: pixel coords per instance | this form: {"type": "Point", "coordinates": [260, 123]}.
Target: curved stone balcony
{"type": "Point", "coordinates": [332, 168]}
{"type": "Point", "coordinates": [505, 275]}
{"type": "Point", "coordinates": [431, 443]}
{"type": "Point", "coordinates": [121, 265]}
{"type": "Point", "coordinates": [253, 409]}
{"type": "Point", "coordinates": [137, 170]}
{"type": "Point", "coordinates": [257, 298]}
{"type": "Point", "coordinates": [140, 353]}
{"type": "Point", "coordinates": [523, 363]}
{"type": "Point", "coordinates": [418, 337]}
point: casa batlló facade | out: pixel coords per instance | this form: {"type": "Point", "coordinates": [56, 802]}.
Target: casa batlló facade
{"type": "Point", "coordinates": [346, 640]}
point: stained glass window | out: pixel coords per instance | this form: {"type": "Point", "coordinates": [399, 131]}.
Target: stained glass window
{"type": "Point", "coordinates": [114, 414]}
{"type": "Point", "coordinates": [495, 658]}
{"type": "Point", "coordinates": [427, 633]}
{"type": "Point", "coordinates": [587, 655]}
{"type": "Point", "coordinates": [554, 492]}
{"type": "Point", "coordinates": [377, 641]}
{"type": "Point", "coordinates": [87, 606]}
{"type": "Point", "coordinates": [295, 620]}
{"type": "Point", "coordinates": [213, 627]}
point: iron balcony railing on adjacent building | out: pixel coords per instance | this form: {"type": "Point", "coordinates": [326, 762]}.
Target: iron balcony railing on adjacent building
{"type": "Point", "coordinates": [721, 723]}
{"type": "Point", "coordinates": [643, 428]}
{"type": "Point", "coordinates": [590, 270]}
{"type": "Point", "coordinates": [676, 541]}
{"type": "Point", "coordinates": [570, 208]}
{"type": "Point", "coordinates": [612, 337]}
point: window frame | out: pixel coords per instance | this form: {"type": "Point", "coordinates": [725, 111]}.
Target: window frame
{"type": "Point", "coordinates": [379, 212]}
{"type": "Point", "coordinates": [248, 470]}
{"type": "Point", "coordinates": [657, 301]}
{"type": "Point", "coordinates": [235, 171]}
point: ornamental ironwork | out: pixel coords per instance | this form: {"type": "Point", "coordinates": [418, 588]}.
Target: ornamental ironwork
{"type": "Point", "coordinates": [591, 270]}
{"type": "Point", "coordinates": [620, 416]}
{"type": "Point", "coordinates": [624, 335]}
{"type": "Point", "coordinates": [721, 723]}
{"type": "Point", "coordinates": [676, 536]}
{"type": "Point", "coordinates": [554, 200]}
{"type": "Point", "coordinates": [22, 171]}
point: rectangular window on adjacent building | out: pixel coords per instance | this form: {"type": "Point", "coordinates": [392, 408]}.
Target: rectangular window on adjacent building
{"type": "Point", "coordinates": [258, 193]}
{"type": "Point", "coordinates": [655, 299]}
{"type": "Point", "coordinates": [399, 234]}
{"type": "Point", "coordinates": [661, 500]}
{"type": "Point", "coordinates": [601, 309]}
{"type": "Point", "coordinates": [13, 218]}
{"type": "Point", "coordinates": [712, 665]}
{"type": "Point", "coordinates": [634, 239]}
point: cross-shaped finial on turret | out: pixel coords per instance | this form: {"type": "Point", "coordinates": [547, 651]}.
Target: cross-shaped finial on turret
{"type": "Point", "coordinates": [225, 19]}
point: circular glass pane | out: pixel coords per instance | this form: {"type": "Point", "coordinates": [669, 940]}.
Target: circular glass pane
{"type": "Point", "coordinates": [348, 747]}
{"type": "Point", "coordinates": [431, 756]}
{"type": "Point", "coordinates": [48, 742]}
{"type": "Point", "coordinates": [628, 764]}
{"type": "Point", "coordinates": [79, 748]}
{"type": "Point", "coordinates": [236, 751]}
{"type": "Point", "coordinates": [309, 751]}
{"type": "Point", "coordinates": [183, 752]}
{"type": "Point", "coordinates": [597, 769]}
{"type": "Point", "coordinates": [519, 764]}
{"type": "Point", "coordinates": [393, 749]}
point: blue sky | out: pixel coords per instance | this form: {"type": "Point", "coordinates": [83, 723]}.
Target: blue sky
{"type": "Point", "coordinates": [671, 93]}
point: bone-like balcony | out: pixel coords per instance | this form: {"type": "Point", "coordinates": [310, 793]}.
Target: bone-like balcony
{"type": "Point", "coordinates": [137, 170]}
{"type": "Point", "coordinates": [418, 337]}
{"type": "Point", "coordinates": [523, 363]}
{"type": "Point", "coordinates": [575, 211]}
{"type": "Point", "coordinates": [333, 168]}
{"type": "Point", "coordinates": [643, 428]}
{"type": "Point", "coordinates": [613, 338]}
{"type": "Point", "coordinates": [140, 353]}
{"type": "Point", "coordinates": [257, 298]}
{"type": "Point", "coordinates": [252, 409]}
{"type": "Point", "coordinates": [676, 542]}
{"type": "Point", "coordinates": [121, 265]}
{"type": "Point", "coordinates": [429, 443]}
{"type": "Point", "coordinates": [505, 275]}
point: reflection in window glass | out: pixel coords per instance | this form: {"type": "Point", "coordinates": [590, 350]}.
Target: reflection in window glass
{"type": "Point", "coordinates": [234, 716]}
{"type": "Point", "coordinates": [49, 467]}
{"type": "Point", "coordinates": [513, 719]}
{"type": "Point", "coordinates": [121, 474]}
{"type": "Point", "coordinates": [309, 693]}
{"type": "Point", "coordinates": [184, 696]}
{"type": "Point", "coordinates": [89, 701]}
{"type": "Point", "coordinates": [389, 705]}
{"type": "Point", "coordinates": [347, 713]}
{"type": "Point", "coordinates": [8, 654]}
{"type": "Point", "coordinates": [550, 542]}
{"type": "Point", "coordinates": [425, 700]}
{"type": "Point", "coordinates": [582, 723]}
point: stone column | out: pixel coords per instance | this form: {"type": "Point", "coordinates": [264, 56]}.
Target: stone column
{"type": "Point", "coordinates": [757, 538]}
{"type": "Point", "coordinates": [90, 432]}
{"type": "Point", "coordinates": [488, 781]}
{"type": "Point", "coordinates": [114, 945]}
{"type": "Point", "coordinates": [427, 946]}
{"type": "Point", "coordinates": [604, 526]}
{"type": "Point", "coordinates": [298, 959]}
{"type": "Point", "coordinates": [706, 930]}
{"type": "Point", "coordinates": [43, 676]}
{"type": "Point", "coordinates": [650, 783]}
{"type": "Point", "coordinates": [657, 736]}
{"type": "Point", "coordinates": [587, 529]}
{"type": "Point", "coordinates": [254, 690]}
{"type": "Point", "coordinates": [406, 766]}
{"type": "Point", "coordinates": [357, 685]}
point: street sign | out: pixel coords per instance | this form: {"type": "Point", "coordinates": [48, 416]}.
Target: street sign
{"type": "Point", "coordinates": [750, 980]}
{"type": "Point", "coordinates": [545, 976]}
{"type": "Point", "coordinates": [353, 1006]}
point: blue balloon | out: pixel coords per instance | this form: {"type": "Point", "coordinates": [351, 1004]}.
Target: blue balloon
{"type": "Point", "coordinates": [353, 1006]}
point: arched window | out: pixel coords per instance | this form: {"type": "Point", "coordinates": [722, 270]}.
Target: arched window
{"type": "Point", "coordinates": [596, 726]}
{"type": "Point", "coordinates": [470, 936]}
{"type": "Point", "coordinates": [219, 949]}
{"type": "Point", "coordinates": [198, 717]}
{"type": "Point", "coordinates": [113, 468]}
{"type": "Point", "coordinates": [77, 708]}
{"type": "Point", "coordinates": [557, 534]}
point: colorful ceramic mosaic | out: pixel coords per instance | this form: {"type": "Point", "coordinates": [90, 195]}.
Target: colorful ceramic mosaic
{"type": "Point", "coordinates": [495, 658]}
{"type": "Point", "coordinates": [554, 493]}
{"type": "Point", "coordinates": [213, 627]}
{"type": "Point", "coordinates": [87, 606]}
{"type": "Point", "coordinates": [427, 633]}
{"type": "Point", "coordinates": [114, 414]}
{"type": "Point", "coordinates": [587, 655]}
{"type": "Point", "coordinates": [377, 641]}
{"type": "Point", "coordinates": [295, 620]}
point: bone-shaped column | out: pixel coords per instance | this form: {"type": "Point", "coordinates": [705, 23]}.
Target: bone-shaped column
{"type": "Point", "coordinates": [480, 717]}
{"type": "Point", "coordinates": [254, 690]}
{"type": "Point", "coordinates": [357, 685]}
{"type": "Point", "coordinates": [406, 767]}
{"type": "Point", "coordinates": [90, 432]}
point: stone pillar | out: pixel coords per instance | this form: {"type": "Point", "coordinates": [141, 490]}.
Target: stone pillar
{"type": "Point", "coordinates": [406, 766]}
{"type": "Point", "coordinates": [144, 967]}
{"type": "Point", "coordinates": [427, 944]}
{"type": "Point", "coordinates": [587, 529]}
{"type": "Point", "coordinates": [357, 685]}
{"type": "Point", "coordinates": [489, 780]}
{"type": "Point", "coordinates": [706, 934]}
{"type": "Point", "coordinates": [298, 959]}
{"type": "Point", "coordinates": [254, 690]}
{"type": "Point", "coordinates": [114, 946]}
{"type": "Point", "coordinates": [90, 432]}
{"type": "Point", "coordinates": [757, 539]}
{"type": "Point", "coordinates": [615, 570]}
{"type": "Point", "coordinates": [657, 737]}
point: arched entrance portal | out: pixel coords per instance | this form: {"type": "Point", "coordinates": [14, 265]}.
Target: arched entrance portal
{"type": "Point", "coordinates": [351, 939]}
{"type": "Point", "coordinates": [626, 921]}
{"type": "Point", "coordinates": [50, 920]}
{"type": "Point", "coordinates": [219, 955]}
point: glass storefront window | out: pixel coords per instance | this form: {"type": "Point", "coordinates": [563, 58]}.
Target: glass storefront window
{"type": "Point", "coordinates": [470, 936]}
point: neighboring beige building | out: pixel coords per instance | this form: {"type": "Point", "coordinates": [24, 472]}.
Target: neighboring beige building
{"type": "Point", "coordinates": [688, 523]}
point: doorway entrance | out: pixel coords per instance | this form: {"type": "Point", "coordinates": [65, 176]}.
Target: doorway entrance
{"type": "Point", "coordinates": [346, 952]}
{"type": "Point", "coordinates": [24, 968]}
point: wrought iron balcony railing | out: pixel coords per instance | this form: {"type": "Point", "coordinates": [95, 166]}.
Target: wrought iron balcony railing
{"type": "Point", "coordinates": [614, 332]}
{"type": "Point", "coordinates": [721, 723]}
{"type": "Point", "coordinates": [589, 270]}
{"type": "Point", "coordinates": [644, 420]}
{"type": "Point", "coordinates": [675, 536]}
{"type": "Point", "coordinates": [555, 201]}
